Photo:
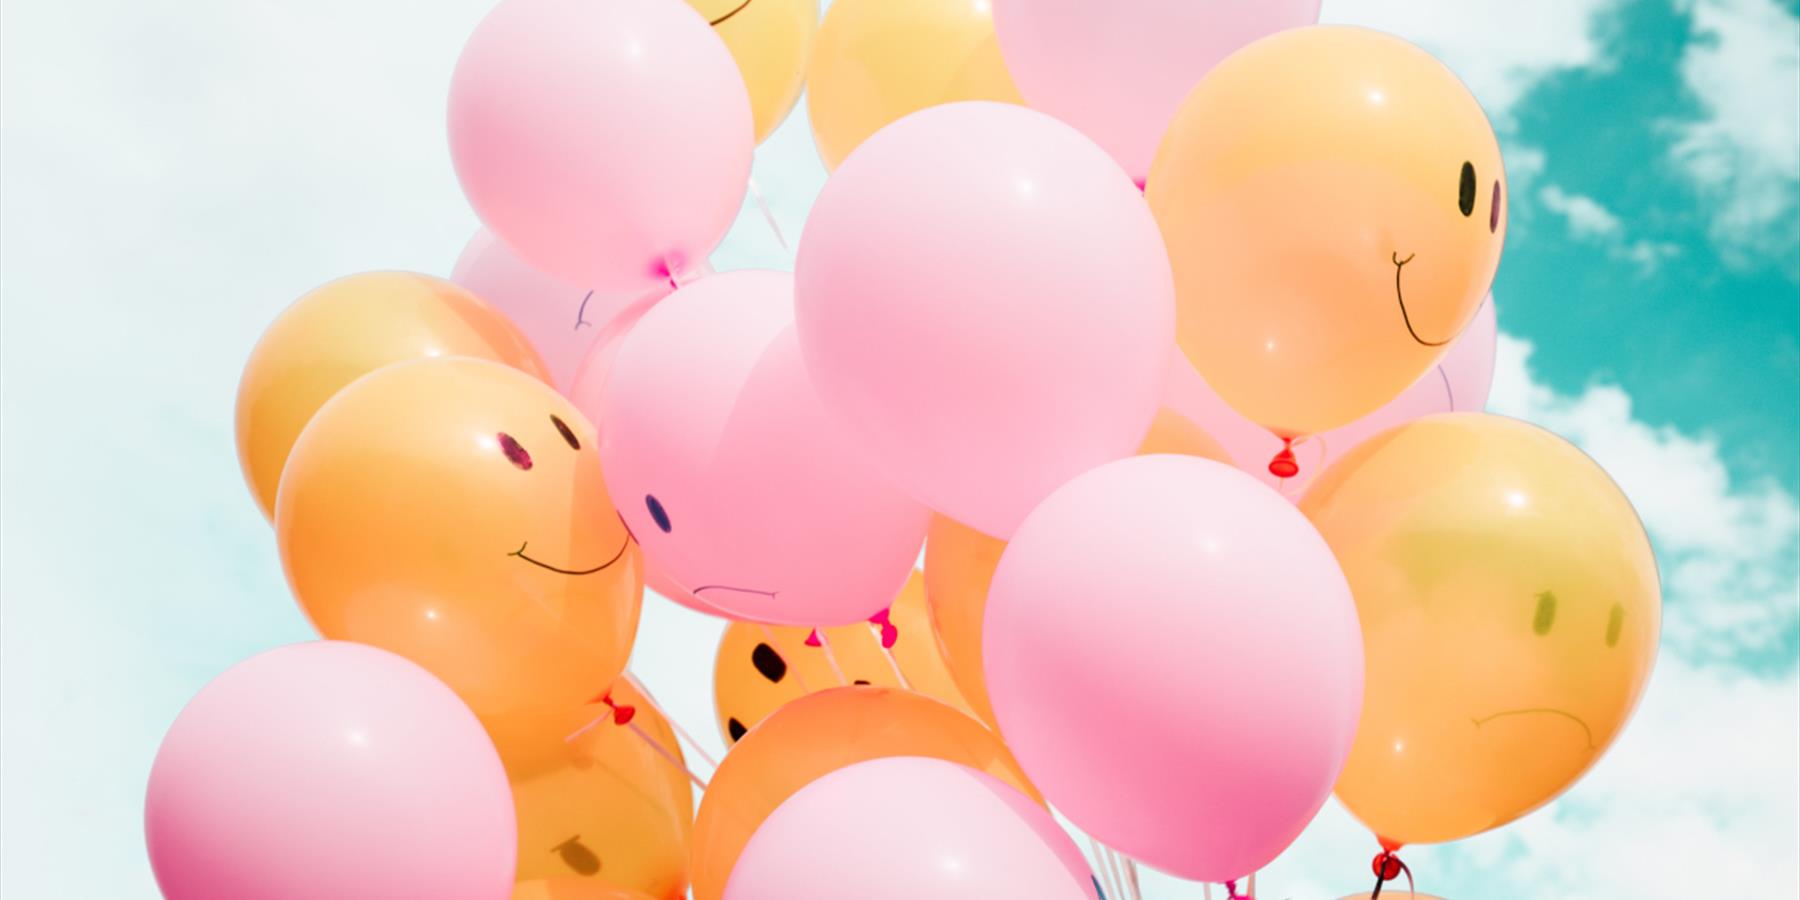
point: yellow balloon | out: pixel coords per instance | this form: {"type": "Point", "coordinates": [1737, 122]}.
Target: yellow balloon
{"type": "Point", "coordinates": [761, 667]}
{"type": "Point", "coordinates": [342, 331]}
{"type": "Point", "coordinates": [960, 563]}
{"type": "Point", "coordinates": [1393, 892]}
{"type": "Point", "coordinates": [604, 810]}
{"type": "Point", "coordinates": [452, 511]}
{"type": "Point", "coordinates": [1510, 611]}
{"type": "Point", "coordinates": [1333, 203]}
{"type": "Point", "coordinates": [877, 60]}
{"type": "Point", "coordinates": [572, 889]}
{"type": "Point", "coordinates": [769, 39]}
{"type": "Point", "coordinates": [818, 734]}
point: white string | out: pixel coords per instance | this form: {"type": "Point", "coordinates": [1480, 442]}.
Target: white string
{"type": "Point", "coordinates": [650, 700]}
{"type": "Point", "coordinates": [769, 216]}
{"type": "Point", "coordinates": [830, 657]}
{"type": "Point", "coordinates": [1112, 890]}
{"type": "Point", "coordinates": [893, 663]}
{"type": "Point", "coordinates": [665, 754]}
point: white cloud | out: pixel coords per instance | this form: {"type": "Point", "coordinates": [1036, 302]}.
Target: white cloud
{"type": "Point", "coordinates": [1743, 64]}
{"type": "Point", "coordinates": [1588, 220]}
{"type": "Point", "coordinates": [1500, 48]}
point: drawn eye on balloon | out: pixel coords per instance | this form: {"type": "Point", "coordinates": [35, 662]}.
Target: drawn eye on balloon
{"type": "Point", "coordinates": [577, 856]}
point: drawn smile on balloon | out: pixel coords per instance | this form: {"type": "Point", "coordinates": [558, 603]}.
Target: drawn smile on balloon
{"type": "Point", "coordinates": [520, 553]}
{"type": "Point", "coordinates": [740, 8]}
{"type": "Point", "coordinates": [1399, 266]}
{"type": "Point", "coordinates": [726, 587]}
{"type": "Point", "coordinates": [1543, 710]}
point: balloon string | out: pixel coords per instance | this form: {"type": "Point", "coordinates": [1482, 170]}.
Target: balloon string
{"type": "Point", "coordinates": [1388, 867]}
{"type": "Point", "coordinates": [1112, 890]}
{"type": "Point", "coordinates": [589, 726]}
{"type": "Point", "coordinates": [769, 216]}
{"type": "Point", "coordinates": [830, 657]}
{"type": "Point", "coordinates": [1131, 878]}
{"type": "Point", "coordinates": [1118, 867]}
{"type": "Point", "coordinates": [662, 751]}
{"type": "Point", "coordinates": [1252, 887]}
{"type": "Point", "coordinates": [875, 631]}
{"type": "Point", "coordinates": [786, 659]}
{"type": "Point", "coordinates": [676, 725]}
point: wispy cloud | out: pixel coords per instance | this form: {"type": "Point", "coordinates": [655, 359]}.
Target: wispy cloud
{"type": "Point", "coordinates": [1589, 221]}
{"type": "Point", "coordinates": [1742, 64]}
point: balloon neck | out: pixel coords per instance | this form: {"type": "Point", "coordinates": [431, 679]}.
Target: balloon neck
{"type": "Point", "coordinates": [1388, 867]}
{"type": "Point", "coordinates": [1284, 465]}
{"type": "Point", "coordinates": [889, 632]}
{"type": "Point", "coordinates": [621, 713]}
{"type": "Point", "coordinates": [812, 638]}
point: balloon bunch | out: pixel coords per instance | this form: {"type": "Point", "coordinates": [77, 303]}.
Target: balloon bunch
{"type": "Point", "coordinates": [1162, 327]}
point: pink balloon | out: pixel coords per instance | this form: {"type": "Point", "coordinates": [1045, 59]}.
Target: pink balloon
{"type": "Point", "coordinates": [563, 322]}
{"type": "Point", "coordinates": [906, 827]}
{"type": "Point", "coordinates": [1458, 383]}
{"type": "Point", "coordinates": [722, 462]}
{"type": "Point", "coordinates": [1173, 655]}
{"type": "Point", "coordinates": [984, 298]}
{"type": "Point", "coordinates": [329, 769]}
{"type": "Point", "coordinates": [609, 143]}
{"type": "Point", "coordinates": [1118, 70]}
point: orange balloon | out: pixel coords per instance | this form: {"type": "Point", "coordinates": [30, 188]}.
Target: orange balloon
{"type": "Point", "coordinates": [347, 329]}
{"type": "Point", "coordinates": [1393, 892]}
{"type": "Point", "coordinates": [603, 810]}
{"type": "Point", "coordinates": [960, 563]}
{"type": "Point", "coordinates": [1510, 610]}
{"type": "Point", "coordinates": [761, 667]}
{"type": "Point", "coordinates": [452, 511]}
{"type": "Point", "coordinates": [572, 889]}
{"type": "Point", "coordinates": [1332, 200]}
{"type": "Point", "coordinates": [874, 61]}
{"type": "Point", "coordinates": [818, 734]}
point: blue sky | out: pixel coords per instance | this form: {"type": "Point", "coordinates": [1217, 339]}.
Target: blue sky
{"type": "Point", "coordinates": [174, 174]}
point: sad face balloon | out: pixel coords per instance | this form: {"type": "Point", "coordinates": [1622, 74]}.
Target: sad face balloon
{"type": "Point", "coordinates": [1334, 207]}
{"type": "Point", "coordinates": [452, 511]}
{"type": "Point", "coordinates": [729, 473]}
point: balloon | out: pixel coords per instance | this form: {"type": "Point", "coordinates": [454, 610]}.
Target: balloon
{"type": "Point", "coordinates": [960, 561]}
{"type": "Point", "coordinates": [1118, 70]}
{"type": "Point", "coordinates": [905, 828]}
{"type": "Point", "coordinates": [875, 61]}
{"type": "Point", "coordinates": [821, 733]}
{"type": "Point", "coordinates": [1510, 603]}
{"type": "Point", "coordinates": [608, 143]}
{"type": "Point", "coordinates": [759, 668]}
{"type": "Point", "coordinates": [596, 801]}
{"type": "Point", "coordinates": [342, 331]}
{"type": "Point", "coordinates": [769, 39]}
{"type": "Point", "coordinates": [1392, 892]}
{"type": "Point", "coordinates": [572, 889]}
{"type": "Point", "coordinates": [1198, 617]}
{"type": "Point", "coordinates": [740, 489]}
{"type": "Point", "coordinates": [452, 511]}
{"type": "Point", "coordinates": [983, 297]}
{"type": "Point", "coordinates": [328, 769]}
{"type": "Point", "coordinates": [1332, 202]}
{"type": "Point", "coordinates": [562, 321]}
{"type": "Point", "coordinates": [1459, 382]}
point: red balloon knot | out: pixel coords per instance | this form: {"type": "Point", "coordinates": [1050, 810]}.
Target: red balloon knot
{"type": "Point", "coordinates": [889, 633]}
{"type": "Point", "coordinates": [622, 714]}
{"type": "Point", "coordinates": [812, 638]}
{"type": "Point", "coordinates": [1284, 465]}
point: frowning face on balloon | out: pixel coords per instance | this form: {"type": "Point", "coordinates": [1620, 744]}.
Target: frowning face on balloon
{"type": "Point", "coordinates": [730, 475]}
{"type": "Point", "coordinates": [452, 510]}
{"type": "Point", "coordinates": [1335, 206]}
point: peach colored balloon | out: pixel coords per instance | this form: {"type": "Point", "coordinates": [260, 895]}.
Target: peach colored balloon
{"type": "Point", "coordinates": [596, 801]}
{"type": "Point", "coordinates": [452, 511]}
{"type": "Point", "coordinates": [572, 889]}
{"type": "Point", "coordinates": [960, 561]}
{"type": "Point", "coordinates": [821, 733]}
{"type": "Point", "coordinates": [759, 668]}
{"type": "Point", "coordinates": [1333, 202]}
{"type": "Point", "coordinates": [342, 331]}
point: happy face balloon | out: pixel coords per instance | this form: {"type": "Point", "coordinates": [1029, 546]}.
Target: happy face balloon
{"type": "Point", "coordinates": [1510, 610]}
{"type": "Point", "coordinates": [729, 473]}
{"type": "Point", "coordinates": [1334, 206]}
{"type": "Point", "coordinates": [452, 511]}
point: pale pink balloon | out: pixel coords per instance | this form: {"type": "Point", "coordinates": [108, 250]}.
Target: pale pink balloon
{"type": "Point", "coordinates": [1458, 383]}
{"type": "Point", "coordinates": [1118, 70]}
{"type": "Point", "coordinates": [724, 465]}
{"type": "Point", "coordinates": [909, 827]}
{"type": "Point", "coordinates": [562, 321]}
{"type": "Point", "coordinates": [608, 142]}
{"type": "Point", "coordinates": [329, 769]}
{"type": "Point", "coordinates": [984, 299]}
{"type": "Point", "coordinates": [1174, 657]}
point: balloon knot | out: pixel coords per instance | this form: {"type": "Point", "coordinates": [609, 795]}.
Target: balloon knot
{"type": "Point", "coordinates": [889, 632]}
{"type": "Point", "coordinates": [1388, 867]}
{"type": "Point", "coordinates": [812, 638]}
{"type": "Point", "coordinates": [1284, 465]}
{"type": "Point", "coordinates": [1232, 892]}
{"type": "Point", "coordinates": [622, 714]}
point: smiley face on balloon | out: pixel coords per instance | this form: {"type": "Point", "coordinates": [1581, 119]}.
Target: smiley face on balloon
{"type": "Point", "coordinates": [726, 468]}
{"type": "Point", "coordinates": [452, 510]}
{"type": "Point", "coordinates": [1334, 205]}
